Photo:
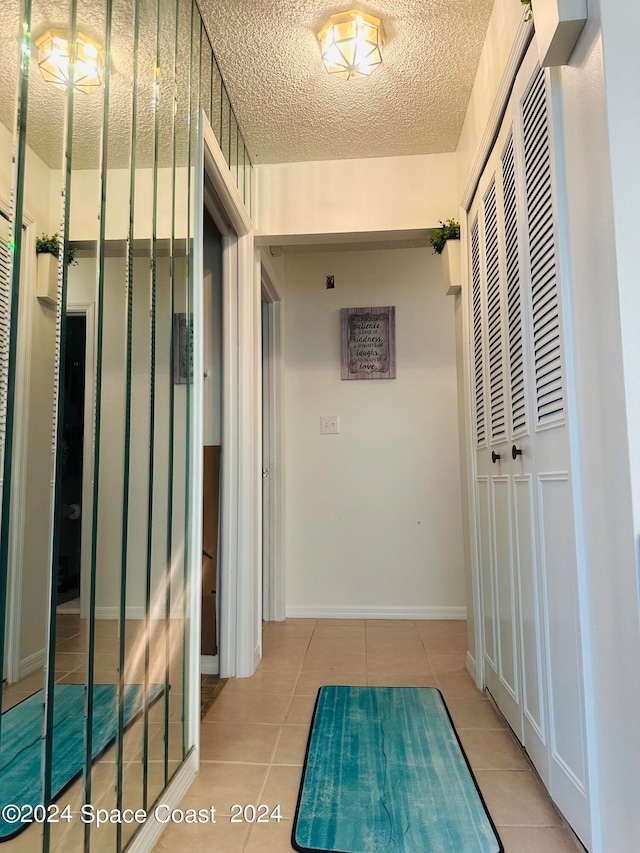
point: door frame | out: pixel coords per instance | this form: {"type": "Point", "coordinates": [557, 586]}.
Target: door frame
{"type": "Point", "coordinates": [273, 579]}
{"type": "Point", "coordinates": [240, 481]}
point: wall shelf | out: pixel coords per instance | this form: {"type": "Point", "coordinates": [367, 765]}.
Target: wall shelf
{"type": "Point", "coordinates": [558, 26]}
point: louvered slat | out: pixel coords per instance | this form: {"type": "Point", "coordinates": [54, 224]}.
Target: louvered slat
{"type": "Point", "coordinates": [497, 407]}
{"type": "Point", "coordinates": [545, 308]}
{"type": "Point", "coordinates": [514, 302]}
{"type": "Point", "coordinates": [5, 317]}
{"type": "Point", "coordinates": [481, 428]}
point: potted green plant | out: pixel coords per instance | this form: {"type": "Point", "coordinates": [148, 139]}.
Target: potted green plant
{"type": "Point", "coordinates": [445, 241]}
{"type": "Point", "coordinates": [48, 248]}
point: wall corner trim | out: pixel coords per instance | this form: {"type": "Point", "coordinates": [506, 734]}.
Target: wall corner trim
{"type": "Point", "coordinates": [209, 665]}
{"type": "Point", "coordinates": [471, 668]}
{"type": "Point", "coordinates": [523, 37]}
{"type": "Point", "coordinates": [32, 662]}
{"type": "Point", "coordinates": [149, 833]}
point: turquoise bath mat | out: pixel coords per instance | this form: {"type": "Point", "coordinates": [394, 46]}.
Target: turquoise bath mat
{"type": "Point", "coordinates": [385, 773]}
{"type": "Point", "coordinates": [21, 753]}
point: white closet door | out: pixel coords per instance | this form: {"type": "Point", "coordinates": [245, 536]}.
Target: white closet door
{"type": "Point", "coordinates": [494, 484]}
{"type": "Point", "coordinates": [550, 449]}
{"type": "Point", "coordinates": [531, 639]}
{"type": "Point", "coordinates": [524, 493]}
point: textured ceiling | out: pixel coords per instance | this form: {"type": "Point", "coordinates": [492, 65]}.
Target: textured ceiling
{"type": "Point", "coordinates": [46, 106]}
{"type": "Point", "coordinates": [290, 109]}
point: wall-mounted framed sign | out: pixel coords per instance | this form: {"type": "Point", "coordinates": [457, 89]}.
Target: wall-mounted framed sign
{"type": "Point", "coordinates": [368, 342]}
{"type": "Point", "coordinates": [182, 349]}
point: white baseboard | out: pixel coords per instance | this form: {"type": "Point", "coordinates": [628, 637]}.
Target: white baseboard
{"type": "Point", "coordinates": [471, 667]}
{"type": "Point", "coordinates": [133, 612]}
{"type": "Point", "coordinates": [114, 613]}
{"type": "Point", "coordinates": [31, 663]}
{"type": "Point", "coordinates": [69, 608]}
{"type": "Point", "coordinates": [360, 612]}
{"type": "Point", "coordinates": [209, 665]}
{"type": "Point", "coordinates": [149, 833]}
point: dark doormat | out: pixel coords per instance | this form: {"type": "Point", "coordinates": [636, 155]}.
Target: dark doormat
{"type": "Point", "coordinates": [210, 688]}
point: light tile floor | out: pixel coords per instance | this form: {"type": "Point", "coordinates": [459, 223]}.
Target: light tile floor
{"type": "Point", "coordinates": [253, 739]}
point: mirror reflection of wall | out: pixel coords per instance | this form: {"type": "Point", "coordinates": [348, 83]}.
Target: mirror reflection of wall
{"type": "Point", "coordinates": [95, 448]}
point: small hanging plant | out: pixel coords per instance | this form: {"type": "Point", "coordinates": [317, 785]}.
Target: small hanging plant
{"type": "Point", "coordinates": [50, 245]}
{"type": "Point", "coordinates": [449, 230]}
{"type": "Point", "coordinates": [527, 3]}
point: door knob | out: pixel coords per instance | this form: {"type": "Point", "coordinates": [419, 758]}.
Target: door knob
{"type": "Point", "coordinates": [494, 456]}
{"type": "Point", "coordinates": [515, 452]}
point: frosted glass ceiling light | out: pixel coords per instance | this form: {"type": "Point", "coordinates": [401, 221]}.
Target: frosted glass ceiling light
{"type": "Point", "coordinates": [350, 43]}
{"type": "Point", "coordinates": [54, 60]}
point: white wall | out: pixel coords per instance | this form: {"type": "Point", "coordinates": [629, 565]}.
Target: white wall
{"type": "Point", "coordinates": [37, 182]}
{"type": "Point", "coordinates": [82, 289]}
{"type": "Point", "coordinates": [602, 214]}
{"type": "Point", "coordinates": [85, 195]}
{"type": "Point", "coordinates": [355, 196]}
{"type": "Point", "coordinates": [373, 515]}
{"type": "Point", "coordinates": [38, 431]}
{"type": "Point", "coordinates": [622, 62]}
{"type": "Point", "coordinates": [37, 486]}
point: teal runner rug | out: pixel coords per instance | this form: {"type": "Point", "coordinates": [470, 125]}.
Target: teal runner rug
{"type": "Point", "coordinates": [385, 773]}
{"type": "Point", "coordinates": [21, 752]}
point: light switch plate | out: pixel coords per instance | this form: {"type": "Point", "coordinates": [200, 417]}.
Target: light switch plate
{"type": "Point", "coordinates": [329, 425]}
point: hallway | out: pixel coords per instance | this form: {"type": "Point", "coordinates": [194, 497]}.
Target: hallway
{"type": "Point", "coordinates": [254, 737]}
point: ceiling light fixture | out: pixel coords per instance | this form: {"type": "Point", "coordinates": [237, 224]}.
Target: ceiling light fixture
{"type": "Point", "coordinates": [54, 60]}
{"type": "Point", "coordinates": [350, 43]}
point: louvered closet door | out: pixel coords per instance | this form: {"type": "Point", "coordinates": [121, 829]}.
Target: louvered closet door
{"type": "Point", "coordinates": [527, 579]}
{"type": "Point", "coordinates": [500, 590]}
{"type": "Point", "coordinates": [5, 319]}
{"type": "Point", "coordinates": [551, 452]}
{"type": "Point", "coordinates": [524, 497]}
{"type": "Point", "coordinates": [5, 306]}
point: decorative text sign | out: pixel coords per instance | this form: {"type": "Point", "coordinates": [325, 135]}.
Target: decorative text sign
{"type": "Point", "coordinates": [182, 349]}
{"type": "Point", "coordinates": [368, 337]}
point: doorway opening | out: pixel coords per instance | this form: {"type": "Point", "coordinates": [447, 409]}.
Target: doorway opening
{"type": "Point", "coordinates": [70, 556]}
{"type": "Point", "coordinates": [266, 463]}
{"type": "Point", "coordinates": [211, 437]}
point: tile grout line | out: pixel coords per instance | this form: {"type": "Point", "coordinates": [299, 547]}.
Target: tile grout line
{"type": "Point", "coordinates": [279, 738]}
